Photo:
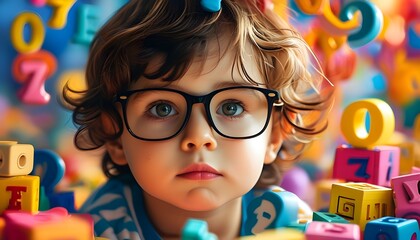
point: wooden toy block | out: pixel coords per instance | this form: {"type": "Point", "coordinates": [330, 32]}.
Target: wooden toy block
{"type": "Point", "coordinates": [392, 228]}
{"type": "Point", "coordinates": [332, 231]}
{"type": "Point", "coordinates": [407, 196]}
{"type": "Point", "coordinates": [19, 193]}
{"type": "Point", "coordinates": [15, 159]}
{"type": "Point", "coordinates": [376, 166]}
{"type": "Point", "coordinates": [53, 224]}
{"type": "Point", "coordinates": [323, 193]}
{"type": "Point", "coordinates": [328, 217]}
{"type": "Point", "coordinates": [361, 202]}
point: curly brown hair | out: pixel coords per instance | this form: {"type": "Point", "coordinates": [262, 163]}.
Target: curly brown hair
{"type": "Point", "coordinates": [180, 30]}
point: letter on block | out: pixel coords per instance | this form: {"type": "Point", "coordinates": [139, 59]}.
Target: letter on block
{"type": "Point", "coordinates": [19, 193]}
{"type": "Point", "coordinates": [53, 224]}
{"type": "Point", "coordinates": [15, 159]}
{"type": "Point", "coordinates": [361, 202]}
{"type": "Point", "coordinates": [392, 228]}
{"type": "Point", "coordinates": [376, 166]}
{"type": "Point", "coordinates": [332, 231]}
{"type": "Point", "coordinates": [407, 196]}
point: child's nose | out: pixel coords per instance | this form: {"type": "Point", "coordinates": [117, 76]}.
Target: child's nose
{"type": "Point", "coordinates": [197, 132]}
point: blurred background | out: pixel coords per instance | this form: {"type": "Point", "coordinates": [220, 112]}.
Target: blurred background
{"type": "Point", "coordinates": [367, 49]}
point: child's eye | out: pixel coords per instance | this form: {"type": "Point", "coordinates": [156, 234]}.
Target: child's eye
{"type": "Point", "coordinates": [162, 110]}
{"type": "Point", "coordinates": [230, 109]}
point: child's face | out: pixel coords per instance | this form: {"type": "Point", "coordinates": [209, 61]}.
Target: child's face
{"type": "Point", "coordinates": [160, 166]}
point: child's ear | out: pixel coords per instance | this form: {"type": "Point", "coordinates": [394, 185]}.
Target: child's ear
{"type": "Point", "coordinates": [275, 141]}
{"type": "Point", "coordinates": [116, 152]}
{"type": "Point", "coordinates": [114, 148]}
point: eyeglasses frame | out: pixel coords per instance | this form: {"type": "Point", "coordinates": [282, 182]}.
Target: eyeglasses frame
{"type": "Point", "coordinates": [272, 96]}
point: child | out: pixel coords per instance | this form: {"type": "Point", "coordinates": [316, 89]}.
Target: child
{"type": "Point", "coordinates": [196, 110]}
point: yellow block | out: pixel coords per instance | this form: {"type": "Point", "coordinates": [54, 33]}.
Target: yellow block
{"type": "Point", "coordinates": [281, 233]}
{"type": "Point", "coordinates": [19, 193]}
{"type": "Point", "coordinates": [360, 203]}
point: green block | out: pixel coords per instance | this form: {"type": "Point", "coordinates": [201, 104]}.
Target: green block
{"type": "Point", "coordinates": [328, 217]}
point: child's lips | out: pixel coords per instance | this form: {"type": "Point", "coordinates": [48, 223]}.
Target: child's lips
{"type": "Point", "coordinates": [199, 172]}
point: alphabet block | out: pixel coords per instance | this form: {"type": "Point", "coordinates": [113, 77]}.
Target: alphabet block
{"type": "Point", "coordinates": [376, 166]}
{"type": "Point", "coordinates": [53, 224]}
{"type": "Point", "coordinates": [332, 231]}
{"type": "Point", "coordinates": [407, 196]}
{"type": "Point", "coordinates": [392, 228]}
{"type": "Point", "coordinates": [361, 202]}
{"type": "Point", "coordinates": [15, 159]}
{"type": "Point", "coordinates": [19, 193]}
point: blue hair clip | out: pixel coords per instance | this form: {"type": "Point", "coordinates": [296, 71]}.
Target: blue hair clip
{"type": "Point", "coordinates": [211, 5]}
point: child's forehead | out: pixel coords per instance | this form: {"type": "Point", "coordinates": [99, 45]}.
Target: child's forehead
{"type": "Point", "coordinates": [218, 68]}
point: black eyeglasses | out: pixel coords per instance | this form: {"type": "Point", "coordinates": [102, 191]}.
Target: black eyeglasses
{"type": "Point", "coordinates": [238, 112]}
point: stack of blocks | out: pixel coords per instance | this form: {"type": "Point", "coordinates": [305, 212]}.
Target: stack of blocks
{"type": "Point", "coordinates": [369, 170]}
{"type": "Point", "coordinates": [19, 202]}
{"type": "Point", "coordinates": [18, 190]}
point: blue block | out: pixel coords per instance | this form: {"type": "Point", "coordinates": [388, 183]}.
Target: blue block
{"type": "Point", "coordinates": [392, 228]}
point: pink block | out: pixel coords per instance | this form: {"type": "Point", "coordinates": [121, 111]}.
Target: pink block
{"type": "Point", "coordinates": [407, 196]}
{"type": "Point", "coordinates": [376, 166]}
{"type": "Point", "coordinates": [332, 231]}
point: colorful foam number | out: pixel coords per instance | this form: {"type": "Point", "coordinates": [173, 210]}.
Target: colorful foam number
{"type": "Point", "coordinates": [407, 196]}
{"type": "Point", "coordinates": [334, 25]}
{"type": "Point", "coordinates": [32, 70]}
{"type": "Point", "coordinates": [19, 193]}
{"type": "Point", "coordinates": [211, 5]}
{"type": "Point", "coordinates": [15, 159]}
{"type": "Point", "coordinates": [274, 209]}
{"type": "Point", "coordinates": [353, 123]}
{"type": "Point", "coordinates": [38, 32]}
{"type": "Point", "coordinates": [376, 166]}
{"type": "Point", "coordinates": [50, 167]}
{"type": "Point", "coordinates": [60, 12]}
{"type": "Point", "coordinates": [195, 229]}
{"type": "Point", "coordinates": [332, 231]}
{"type": "Point", "coordinates": [33, 92]}
{"type": "Point", "coordinates": [392, 228]}
{"type": "Point", "coordinates": [360, 203]}
{"type": "Point", "coordinates": [52, 224]}
{"type": "Point", "coordinates": [372, 22]}
{"type": "Point", "coordinates": [87, 24]}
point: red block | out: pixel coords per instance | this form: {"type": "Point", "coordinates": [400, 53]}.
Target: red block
{"type": "Point", "coordinates": [376, 166]}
